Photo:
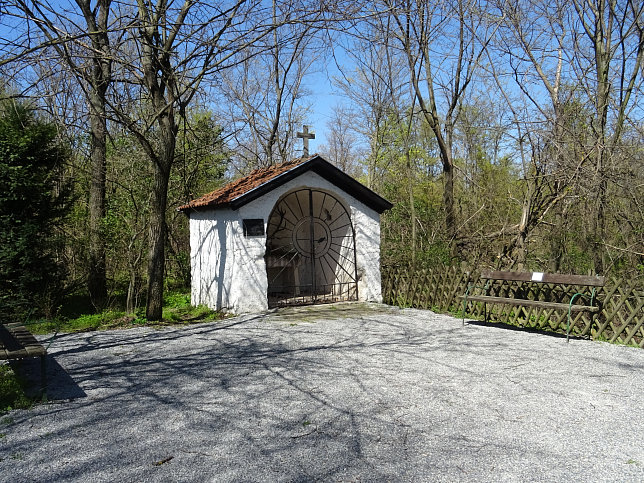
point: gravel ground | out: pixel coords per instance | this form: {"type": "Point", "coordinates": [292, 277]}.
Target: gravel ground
{"type": "Point", "coordinates": [337, 393]}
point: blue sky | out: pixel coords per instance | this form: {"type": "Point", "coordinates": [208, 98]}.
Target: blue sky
{"type": "Point", "coordinates": [322, 103]}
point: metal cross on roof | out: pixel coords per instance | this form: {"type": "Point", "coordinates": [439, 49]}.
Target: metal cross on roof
{"type": "Point", "coordinates": [305, 136]}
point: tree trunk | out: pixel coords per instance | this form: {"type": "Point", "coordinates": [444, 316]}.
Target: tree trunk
{"type": "Point", "coordinates": [158, 229]}
{"type": "Point", "coordinates": [521, 249]}
{"type": "Point", "coordinates": [156, 254]}
{"type": "Point", "coordinates": [602, 38]}
{"type": "Point", "coordinates": [557, 240]}
{"type": "Point", "coordinates": [412, 206]}
{"type": "Point", "coordinates": [97, 279]}
{"type": "Point", "coordinates": [97, 21]}
{"type": "Point", "coordinates": [447, 162]}
{"type": "Point", "coordinates": [132, 292]}
{"type": "Point", "coordinates": [448, 199]}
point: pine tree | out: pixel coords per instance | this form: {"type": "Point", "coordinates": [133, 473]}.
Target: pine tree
{"type": "Point", "coordinates": [32, 203]}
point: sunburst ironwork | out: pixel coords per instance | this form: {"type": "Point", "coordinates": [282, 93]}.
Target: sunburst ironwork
{"type": "Point", "coordinates": [310, 250]}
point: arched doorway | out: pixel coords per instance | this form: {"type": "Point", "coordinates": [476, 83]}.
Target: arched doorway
{"type": "Point", "coordinates": [310, 250]}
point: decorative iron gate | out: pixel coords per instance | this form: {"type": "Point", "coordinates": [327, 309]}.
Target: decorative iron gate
{"type": "Point", "coordinates": [310, 250]}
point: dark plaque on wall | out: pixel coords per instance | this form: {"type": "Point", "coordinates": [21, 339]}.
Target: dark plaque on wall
{"type": "Point", "coordinates": [253, 227]}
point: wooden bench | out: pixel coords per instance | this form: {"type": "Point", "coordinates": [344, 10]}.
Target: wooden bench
{"type": "Point", "coordinates": [519, 298]}
{"type": "Point", "coordinates": [16, 342]}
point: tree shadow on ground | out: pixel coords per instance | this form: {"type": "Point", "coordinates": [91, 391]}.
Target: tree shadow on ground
{"type": "Point", "coordinates": [516, 328]}
{"type": "Point", "coordinates": [266, 398]}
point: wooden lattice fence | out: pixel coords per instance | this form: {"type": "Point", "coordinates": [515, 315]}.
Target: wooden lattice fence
{"type": "Point", "coordinates": [621, 319]}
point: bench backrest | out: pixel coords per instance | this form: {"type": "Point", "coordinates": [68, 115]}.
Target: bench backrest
{"type": "Point", "coordinates": [540, 277]}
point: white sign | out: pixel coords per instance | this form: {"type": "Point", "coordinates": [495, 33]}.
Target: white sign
{"type": "Point", "coordinates": [537, 276]}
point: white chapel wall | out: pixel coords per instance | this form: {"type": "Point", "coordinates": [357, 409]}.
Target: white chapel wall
{"type": "Point", "coordinates": [228, 269]}
{"type": "Point", "coordinates": [210, 235]}
{"type": "Point", "coordinates": [366, 223]}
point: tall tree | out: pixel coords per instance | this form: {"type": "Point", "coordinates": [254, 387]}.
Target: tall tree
{"type": "Point", "coordinates": [535, 42]}
{"type": "Point", "coordinates": [265, 92]}
{"type": "Point", "coordinates": [173, 50]}
{"type": "Point", "coordinates": [342, 149]}
{"type": "Point", "coordinates": [162, 54]}
{"type": "Point", "coordinates": [32, 204]}
{"type": "Point", "coordinates": [374, 83]}
{"type": "Point", "coordinates": [77, 35]}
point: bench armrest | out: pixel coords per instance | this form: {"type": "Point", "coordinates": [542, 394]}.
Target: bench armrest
{"type": "Point", "coordinates": [471, 286]}
{"type": "Point", "coordinates": [572, 299]}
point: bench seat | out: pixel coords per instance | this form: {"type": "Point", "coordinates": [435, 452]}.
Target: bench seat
{"type": "Point", "coordinates": [501, 278]}
{"type": "Point", "coordinates": [530, 303]}
{"type": "Point", "coordinates": [16, 342]}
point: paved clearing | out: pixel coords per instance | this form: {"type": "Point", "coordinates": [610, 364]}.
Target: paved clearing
{"type": "Point", "coordinates": [337, 393]}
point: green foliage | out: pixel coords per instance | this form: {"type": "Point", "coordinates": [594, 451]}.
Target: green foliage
{"type": "Point", "coordinates": [413, 228]}
{"type": "Point", "coordinates": [32, 204]}
{"type": "Point", "coordinates": [201, 160]}
{"type": "Point", "coordinates": [177, 309]}
{"type": "Point", "coordinates": [578, 260]}
{"type": "Point", "coordinates": [83, 323]}
{"type": "Point", "coordinates": [125, 225]}
{"type": "Point", "coordinates": [176, 300]}
{"type": "Point", "coordinates": [12, 395]}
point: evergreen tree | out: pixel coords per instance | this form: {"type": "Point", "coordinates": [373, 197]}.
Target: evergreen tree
{"type": "Point", "coordinates": [32, 202]}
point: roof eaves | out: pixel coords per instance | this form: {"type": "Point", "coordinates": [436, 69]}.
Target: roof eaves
{"type": "Point", "coordinates": [318, 165]}
{"type": "Point", "coordinates": [238, 200]}
{"type": "Point", "coordinates": [279, 179]}
{"type": "Point", "coordinates": [339, 178]}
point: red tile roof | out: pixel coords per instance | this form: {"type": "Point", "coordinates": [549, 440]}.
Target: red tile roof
{"type": "Point", "coordinates": [241, 186]}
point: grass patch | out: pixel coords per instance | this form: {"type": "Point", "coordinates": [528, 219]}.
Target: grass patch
{"type": "Point", "coordinates": [12, 394]}
{"type": "Point", "coordinates": [176, 311]}
{"type": "Point", "coordinates": [108, 319]}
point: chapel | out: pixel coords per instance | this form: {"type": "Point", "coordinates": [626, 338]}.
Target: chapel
{"type": "Point", "coordinates": [302, 232]}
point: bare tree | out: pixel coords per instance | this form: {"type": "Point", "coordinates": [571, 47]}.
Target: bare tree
{"type": "Point", "coordinates": [535, 43]}
{"type": "Point", "coordinates": [171, 50]}
{"type": "Point", "coordinates": [612, 76]}
{"type": "Point", "coordinates": [572, 62]}
{"type": "Point", "coordinates": [342, 149]}
{"type": "Point", "coordinates": [163, 55]}
{"type": "Point", "coordinates": [174, 49]}
{"type": "Point", "coordinates": [264, 93]}
{"type": "Point", "coordinates": [443, 44]}
{"type": "Point", "coordinates": [375, 86]}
